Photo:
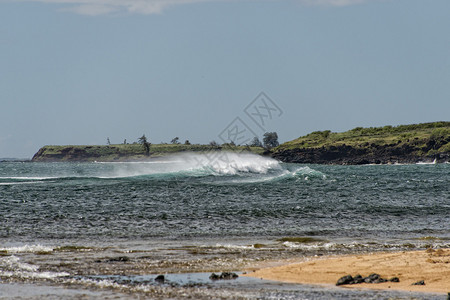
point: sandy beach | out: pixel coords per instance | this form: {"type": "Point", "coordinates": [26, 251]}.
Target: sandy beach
{"type": "Point", "coordinates": [431, 266]}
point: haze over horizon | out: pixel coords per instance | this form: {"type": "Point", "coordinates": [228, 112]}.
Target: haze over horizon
{"type": "Point", "coordinates": [82, 71]}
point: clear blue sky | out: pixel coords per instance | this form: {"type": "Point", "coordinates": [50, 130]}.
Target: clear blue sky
{"type": "Point", "coordinates": [79, 71]}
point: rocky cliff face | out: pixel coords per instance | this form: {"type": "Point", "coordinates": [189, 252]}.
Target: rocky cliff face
{"type": "Point", "coordinates": [425, 142]}
{"type": "Point", "coordinates": [82, 153]}
{"type": "Point", "coordinates": [349, 155]}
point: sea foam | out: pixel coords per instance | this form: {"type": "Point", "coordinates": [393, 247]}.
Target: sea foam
{"type": "Point", "coordinates": [11, 266]}
{"type": "Point", "coordinates": [199, 164]}
{"type": "Point", "coordinates": [27, 249]}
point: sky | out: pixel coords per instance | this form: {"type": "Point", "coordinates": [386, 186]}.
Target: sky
{"type": "Point", "coordinates": [81, 71]}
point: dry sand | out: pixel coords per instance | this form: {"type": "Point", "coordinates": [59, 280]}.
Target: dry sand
{"type": "Point", "coordinates": [432, 266]}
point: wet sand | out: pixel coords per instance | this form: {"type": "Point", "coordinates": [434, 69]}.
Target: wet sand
{"type": "Point", "coordinates": [432, 266]}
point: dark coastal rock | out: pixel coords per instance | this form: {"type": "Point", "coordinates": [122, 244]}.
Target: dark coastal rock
{"type": "Point", "coordinates": [421, 282]}
{"type": "Point", "coordinates": [160, 279]}
{"type": "Point", "coordinates": [372, 278]}
{"type": "Point", "coordinates": [223, 276]}
{"type": "Point", "coordinates": [394, 279]}
{"type": "Point", "coordinates": [348, 279]}
{"type": "Point", "coordinates": [119, 259]}
{"type": "Point", "coordinates": [229, 275]}
{"type": "Point", "coordinates": [379, 280]}
{"type": "Point", "coordinates": [114, 259]}
{"type": "Point", "coordinates": [371, 154]}
{"type": "Point", "coordinates": [358, 279]}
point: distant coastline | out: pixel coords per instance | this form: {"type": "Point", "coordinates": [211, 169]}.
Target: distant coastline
{"type": "Point", "coordinates": [127, 152]}
{"type": "Point", "coordinates": [14, 159]}
{"type": "Point", "coordinates": [405, 144]}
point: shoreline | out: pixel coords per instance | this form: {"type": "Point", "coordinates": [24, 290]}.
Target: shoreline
{"type": "Point", "coordinates": [432, 266]}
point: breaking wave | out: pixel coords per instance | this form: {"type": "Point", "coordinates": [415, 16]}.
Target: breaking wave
{"type": "Point", "coordinates": [192, 164]}
{"type": "Point", "coordinates": [229, 166]}
{"type": "Point", "coordinates": [235, 167]}
{"type": "Point", "coordinates": [13, 267]}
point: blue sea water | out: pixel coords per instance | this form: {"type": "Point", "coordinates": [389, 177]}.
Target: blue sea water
{"type": "Point", "coordinates": [70, 222]}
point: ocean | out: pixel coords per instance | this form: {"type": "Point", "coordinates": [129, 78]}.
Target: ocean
{"type": "Point", "coordinates": [99, 230]}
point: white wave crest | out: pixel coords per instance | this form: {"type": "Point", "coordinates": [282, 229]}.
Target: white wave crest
{"type": "Point", "coordinates": [229, 163]}
{"type": "Point", "coordinates": [307, 173]}
{"type": "Point", "coordinates": [27, 178]}
{"type": "Point", "coordinates": [237, 247]}
{"type": "Point", "coordinates": [199, 164]}
{"type": "Point", "coordinates": [11, 266]}
{"type": "Point", "coordinates": [27, 249]}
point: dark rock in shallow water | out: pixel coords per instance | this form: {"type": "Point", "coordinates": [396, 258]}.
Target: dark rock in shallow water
{"type": "Point", "coordinates": [419, 283]}
{"type": "Point", "coordinates": [223, 276]}
{"type": "Point", "coordinates": [160, 279]}
{"type": "Point", "coordinates": [348, 279]}
{"type": "Point", "coordinates": [228, 275]}
{"type": "Point", "coordinates": [119, 259]}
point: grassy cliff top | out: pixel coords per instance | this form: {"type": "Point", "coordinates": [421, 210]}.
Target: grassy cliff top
{"type": "Point", "coordinates": [125, 151]}
{"type": "Point", "coordinates": [416, 134]}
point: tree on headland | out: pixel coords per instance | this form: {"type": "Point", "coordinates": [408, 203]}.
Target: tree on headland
{"type": "Point", "coordinates": [256, 142]}
{"type": "Point", "coordinates": [187, 142]}
{"type": "Point", "coordinates": [108, 142]}
{"type": "Point", "coordinates": [143, 141]}
{"type": "Point", "coordinates": [175, 140]}
{"type": "Point", "coordinates": [213, 143]}
{"type": "Point", "coordinates": [270, 140]}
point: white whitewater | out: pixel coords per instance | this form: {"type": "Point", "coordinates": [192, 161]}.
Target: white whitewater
{"type": "Point", "coordinates": [196, 164]}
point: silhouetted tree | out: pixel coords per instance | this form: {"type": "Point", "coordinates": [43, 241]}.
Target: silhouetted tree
{"type": "Point", "coordinates": [108, 142]}
{"type": "Point", "coordinates": [175, 140]}
{"type": "Point", "coordinates": [143, 141]}
{"type": "Point", "coordinates": [213, 143]}
{"type": "Point", "coordinates": [256, 142]}
{"type": "Point", "coordinates": [187, 142]}
{"type": "Point", "coordinates": [270, 140]}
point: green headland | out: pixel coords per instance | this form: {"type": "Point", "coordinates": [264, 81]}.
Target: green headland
{"type": "Point", "coordinates": [400, 144]}
{"type": "Point", "coordinates": [426, 142]}
{"type": "Point", "coordinates": [127, 152]}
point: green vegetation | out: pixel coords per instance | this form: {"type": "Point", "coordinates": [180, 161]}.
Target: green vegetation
{"type": "Point", "coordinates": [143, 141]}
{"type": "Point", "coordinates": [270, 140]}
{"type": "Point", "coordinates": [127, 152]}
{"type": "Point", "coordinates": [432, 138]}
